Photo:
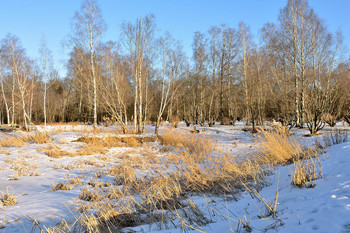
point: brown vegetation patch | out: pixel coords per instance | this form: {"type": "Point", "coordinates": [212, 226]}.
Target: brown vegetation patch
{"type": "Point", "coordinates": [306, 170]}
{"type": "Point", "coordinates": [62, 186]}
{"type": "Point", "coordinates": [196, 145]}
{"type": "Point", "coordinates": [111, 141]}
{"type": "Point", "coordinates": [54, 151]}
{"type": "Point", "coordinates": [277, 147]}
{"type": "Point", "coordinates": [90, 195]}
{"type": "Point", "coordinates": [39, 138]}
{"type": "Point", "coordinates": [7, 199]}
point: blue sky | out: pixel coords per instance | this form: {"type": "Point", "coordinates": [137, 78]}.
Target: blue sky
{"type": "Point", "coordinates": [30, 20]}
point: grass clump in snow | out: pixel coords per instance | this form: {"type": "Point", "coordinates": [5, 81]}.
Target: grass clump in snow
{"type": "Point", "coordinates": [306, 170]}
{"type": "Point", "coordinates": [39, 138]}
{"type": "Point", "coordinates": [19, 141]}
{"type": "Point", "coordinates": [13, 142]}
{"type": "Point", "coordinates": [194, 144]}
{"type": "Point", "coordinates": [7, 199]}
{"type": "Point", "coordinates": [62, 186]}
{"type": "Point", "coordinates": [76, 181]}
{"type": "Point", "coordinates": [54, 151]}
{"type": "Point", "coordinates": [277, 147]}
{"type": "Point", "coordinates": [90, 195]}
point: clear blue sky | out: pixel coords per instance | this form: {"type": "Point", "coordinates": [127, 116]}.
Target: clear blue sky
{"type": "Point", "coordinates": [29, 20]}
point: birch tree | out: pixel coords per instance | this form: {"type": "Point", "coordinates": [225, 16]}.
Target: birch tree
{"type": "Point", "coordinates": [46, 63]}
{"type": "Point", "coordinates": [88, 27]}
{"type": "Point", "coordinates": [137, 39]}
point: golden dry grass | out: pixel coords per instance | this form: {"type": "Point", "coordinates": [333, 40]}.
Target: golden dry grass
{"type": "Point", "coordinates": [62, 186]}
{"type": "Point", "coordinates": [76, 181]}
{"type": "Point", "coordinates": [7, 199]}
{"type": "Point", "coordinates": [197, 170]}
{"type": "Point", "coordinates": [13, 142]}
{"type": "Point", "coordinates": [306, 170]}
{"type": "Point", "coordinates": [196, 145]}
{"type": "Point", "coordinates": [90, 195]}
{"type": "Point", "coordinates": [54, 151]}
{"type": "Point", "coordinates": [39, 138]}
{"type": "Point", "coordinates": [92, 148]}
{"type": "Point", "coordinates": [19, 141]}
{"type": "Point", "coordinates": [277, 147]}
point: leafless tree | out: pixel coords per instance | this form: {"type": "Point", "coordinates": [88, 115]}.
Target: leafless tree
{"type": "Point", "coordinates": [137, 39]}
{"type": "Point", "coordinates": [88, 27]}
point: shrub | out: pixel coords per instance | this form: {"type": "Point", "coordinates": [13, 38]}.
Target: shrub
{"type": "Point", "coordinates": [330, 120]}
{"type": "Point", "coordinates": [226, 121]}
{"type": "Point", "coordinates": [335, 137]}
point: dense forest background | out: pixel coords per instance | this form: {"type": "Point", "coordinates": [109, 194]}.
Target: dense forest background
{"type": "Point", "coordinates": [296, 73]}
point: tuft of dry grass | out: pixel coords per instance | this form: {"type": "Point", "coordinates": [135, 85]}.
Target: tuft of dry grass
{"type": "Point", "coordinates": [13, 142]}
{"type": "Point", "coordinates": [163, 193]}
{"type": "Point", "coordinates": [6, 152]}
{"type": "Point", "coordinates": [196, 145]}
{"type": "Point", "coordinates": [112, 141]}
{"type": "Point", "coordinates": [92, 148]}
{"type": "Point", "coordinates": [62, 186]}
{"type": "Point", "coordinates": [76, 181]}
{"type": "Point", "coordinates": [277, 147]}
{"type": "Point", "coordinates": [306, 170]}
{"type": "Point", "coordinates": [123, 174]}
{"type": "Point", "coordinates": [39, 138]}
{"type": "Point", "coordinates": [90, 195]}
{"type": "Point", "coordinates": [115, 193]}
{"type": "Point", "coordinates": [54, 151]}
{"type": "Point", "coordinates": [7, 199]}
{"type": "Point", "coordinates": [19, 141]}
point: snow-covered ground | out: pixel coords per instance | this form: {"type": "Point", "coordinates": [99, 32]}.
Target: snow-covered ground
{"type": "Point", "coordinates": [324, 208]}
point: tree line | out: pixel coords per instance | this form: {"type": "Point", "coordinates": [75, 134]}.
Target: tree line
{"type": "Point", "coordinates": [295, 74]}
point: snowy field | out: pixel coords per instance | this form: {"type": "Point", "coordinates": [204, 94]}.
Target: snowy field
{"type": "Point", "coordinates": [29, 174]}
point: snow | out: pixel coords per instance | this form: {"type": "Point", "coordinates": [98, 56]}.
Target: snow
{"type": "Point", "coordinates": [324, 208]}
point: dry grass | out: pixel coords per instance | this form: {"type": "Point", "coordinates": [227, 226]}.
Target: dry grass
{"type": "Point", "coordinates": [90, 195]}
{"type": "Point", "coordinates": [196, 145]}
{"type": "Point", "coordinates": [115, 193]}
{"type": "Point", "coordinates": [306, 170]}
{"type": "Point", "coordinates": [7, 199]}
{"type": "Point", "coordinates": [39, 138]}
{"type": "Point", "coordinates": [19, 141]}
{"type": "Point", "coordinates": [54, 151]}
{"type": "Point", "coordinates": [62, 186]}
{"type": "Point", "coordinates": [112, 141]}
{"type": "Point", "coordinates": [99, 145]}
{"type": "Point", "coordinates": [162, 194]}
{"type": "Point", "coordinates": [6, 152]}
{"type": "Point", "coordinates": [63, 123]}
{"type": "Point", "coordinates": [124, 174]}
{"type": "Point", "coordinates": [92, 148]}
{"type": "Point", "coordinates": [13, 142]}
{"type": "Point", "coordinates": [277, 147]}
{"type": "Point", "coordinates": [76, 181]}
{"type": "Point", "coordinates": [21, 167]}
